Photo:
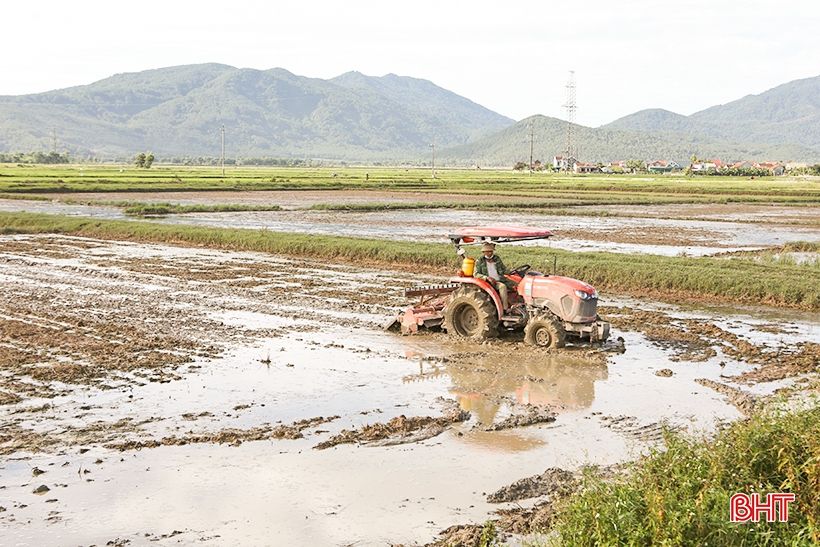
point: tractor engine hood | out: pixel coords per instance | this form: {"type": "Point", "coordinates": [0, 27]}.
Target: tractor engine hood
{"type": "Point", "coordinates": [570, 299]}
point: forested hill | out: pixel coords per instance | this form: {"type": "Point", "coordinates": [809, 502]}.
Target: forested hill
{"type": "Point", "coordinates": [786, 114]}
{"type": "Point", "coordinates": [512, 144]}
{"type": "Point", "coordinates": [178, 111]}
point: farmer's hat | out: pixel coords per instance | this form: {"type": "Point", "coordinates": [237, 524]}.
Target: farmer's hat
{"type": "Point", "coordinates": [488, 246]}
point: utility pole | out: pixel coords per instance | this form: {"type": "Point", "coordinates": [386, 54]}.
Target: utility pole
{"type": "Point", "coordinates": [54, 140]}
{"type": "Point", "coordinates": [222, 131]}
{"type": "Point", "coordinates": [433, 146]}
{"type": "Point", "coordinates": [532, 139]}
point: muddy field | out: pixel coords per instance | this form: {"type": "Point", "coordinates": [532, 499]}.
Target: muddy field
{"type": "Point", "coordinates": [651, 233]}
{"type": "Point", "coordinates": [152, 394]}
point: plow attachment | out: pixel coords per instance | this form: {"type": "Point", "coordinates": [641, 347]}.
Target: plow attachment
{"type": "Point", "coordinates": [427, 312]}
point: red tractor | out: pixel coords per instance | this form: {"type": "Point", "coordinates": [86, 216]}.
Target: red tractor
{"type": "Point", "coordinates": [550, 308]}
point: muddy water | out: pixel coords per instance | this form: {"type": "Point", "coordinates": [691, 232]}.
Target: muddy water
{"type": "Point", "coordinates": [58, 208]}
{"type": "Point", "coordinates": [287, 199]}
{"type": "Point", "coordinates": [627, 235]}
{"type": "Point", "coordinates": [668, 237]}
{"type": "Point", "coordinates": [294, 340]}
{"type": "Point", "coordinates": [738, 212]}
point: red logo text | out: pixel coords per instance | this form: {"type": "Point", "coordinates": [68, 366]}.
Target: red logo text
{"type": "Point", "coordinates": [751, 507]}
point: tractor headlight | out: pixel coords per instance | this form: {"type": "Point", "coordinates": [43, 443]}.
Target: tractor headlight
{"type": "Point", "coordinates": [585, 295]}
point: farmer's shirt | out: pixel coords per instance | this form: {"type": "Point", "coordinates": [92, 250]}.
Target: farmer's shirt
{"type": "Point", "coordinates": [492, 271]}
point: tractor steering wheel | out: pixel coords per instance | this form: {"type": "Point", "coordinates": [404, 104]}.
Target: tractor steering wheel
{"type": "Point", "coordinates": [521, 270]}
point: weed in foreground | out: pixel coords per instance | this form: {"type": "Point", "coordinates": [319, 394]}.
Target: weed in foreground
{"type": "Point", "coordinates": [680, 495]}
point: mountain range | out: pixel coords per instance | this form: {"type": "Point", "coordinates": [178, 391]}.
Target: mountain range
{"type": "Point", "coordinates": [789, 113]}
{"type": "Point", "coordinates": [178, 112]}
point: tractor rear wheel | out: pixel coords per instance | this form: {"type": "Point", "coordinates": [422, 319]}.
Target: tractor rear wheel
{"type": "Point", "coordinates": [545, 331]}
{"type": "Point", "coordinates": [471, 314]}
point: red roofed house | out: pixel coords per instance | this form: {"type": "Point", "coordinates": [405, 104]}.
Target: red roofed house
{"type": "Point", "coordinates": [662, 166]}
{"type": "Point", "coordinates": [581, 167]}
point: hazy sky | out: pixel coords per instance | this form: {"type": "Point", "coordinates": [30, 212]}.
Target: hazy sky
{"type": "Point", "coordinates": [512, 57]}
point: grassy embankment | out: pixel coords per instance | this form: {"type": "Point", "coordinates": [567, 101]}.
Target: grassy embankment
{"type": "Point", "coordinates": [566, 190]}
{"type": "Point", "coordinates": [744, 280]}
{"type": "Point", "coordinates": [680, 495]}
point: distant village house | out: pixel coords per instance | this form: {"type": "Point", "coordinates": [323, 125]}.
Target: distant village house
{"type": "Point", "coordinates": [562, 163]}
{"type": "Point", "coordinates": [581, 167]}
{"type": "Point", "coordinates": [663, 166]}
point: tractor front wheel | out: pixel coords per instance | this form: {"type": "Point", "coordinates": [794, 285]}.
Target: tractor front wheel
{"type": "Point", "coordinates": [545, 331]}
{"type": "Point", "coordinates": [471, 314]}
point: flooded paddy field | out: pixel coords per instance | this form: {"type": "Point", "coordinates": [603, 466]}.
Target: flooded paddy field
{"type": "Point", "coordinates": [639, 234]}
{"type": "Point", "coordinates": [287, 199]}
{"type": "Point", "coordinates": [162, 394]}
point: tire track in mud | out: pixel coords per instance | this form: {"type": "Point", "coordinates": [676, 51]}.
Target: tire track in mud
{"type": "Point", "coordinates": [399, 430]}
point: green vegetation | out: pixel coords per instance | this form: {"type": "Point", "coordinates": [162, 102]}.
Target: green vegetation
{"type": "Point", "coordinates": [266, 112]}
{"type": "Point", "coordinates": [680, 495]}
{"type": "Point", "coordinates": [551, 189]}
{"type": "Point", "coordinates": [49, 158]}
{"type": "Point", "coordinates": [489, 536]}
{"type": "Point", "coordinates": [355, 117]}
{"type": "Point", "coordinates": [752, 119]}
{"type": "Point", "coordinates": [718, 279]}
{"type": "Point", "coordinates": [612, 143]}
{"type": "Point", "coordinates": [139, 209]}
{"type": "Point", "coordinates": [144, 160]}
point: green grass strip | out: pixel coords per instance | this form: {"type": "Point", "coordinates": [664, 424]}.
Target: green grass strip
{"type": "Point", "coordinates": [680, 495]}
{"type": "Point", "coordinates": [744, 280]}
{"type": "Point", "coordinates": [646, 188]}
{"type": "Point", "coordinates": [147, 209]}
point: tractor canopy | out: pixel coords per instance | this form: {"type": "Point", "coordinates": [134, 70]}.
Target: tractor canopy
{"type": "Point", "coordinates": [496, 234]}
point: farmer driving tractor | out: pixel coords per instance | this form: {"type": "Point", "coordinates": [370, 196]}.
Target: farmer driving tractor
{"type": "Point", "coordinates": [490, 268]}
{"type": "Point", "coordinates": [475, 304]}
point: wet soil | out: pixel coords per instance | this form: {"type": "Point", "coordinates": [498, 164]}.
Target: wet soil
{"type": "Point", "coordinates": [744, 402]}
{"type": "Point", "coordinates": [165, 374]}
{"type": "Point", "coordinates": [551, 486]}
{"type": "Point", "coordinates": [554, 481]}
{"type": "Point", "coordinates": [694, 339]}
{"type": "Point", "coordinates": [399, 430]}
{"type": "Point", "coordinates": [739, 212]}
{"type": "Point", "coordinates": [230, 436]}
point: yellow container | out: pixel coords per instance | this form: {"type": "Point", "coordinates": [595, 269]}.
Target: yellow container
{"type": "Point", "coordinates": [468, 266]}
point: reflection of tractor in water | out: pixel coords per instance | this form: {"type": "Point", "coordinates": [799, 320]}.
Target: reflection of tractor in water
{"type": "Point", "coordinates": [550, 308]}
{"type": "Point", "coordinates": [491, 378]}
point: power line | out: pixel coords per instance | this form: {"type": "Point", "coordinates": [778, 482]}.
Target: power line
{"type": "Point", "coordinates": [571, 107]}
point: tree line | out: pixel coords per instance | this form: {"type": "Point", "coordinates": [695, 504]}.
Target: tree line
{"type": "Point", "coordinates": [34, 157]}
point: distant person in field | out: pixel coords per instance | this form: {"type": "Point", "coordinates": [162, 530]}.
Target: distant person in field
{"type": "Point", "coordinates": [490, 268]}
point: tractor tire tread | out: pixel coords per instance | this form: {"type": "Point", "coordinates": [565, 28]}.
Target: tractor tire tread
{"type": "Point", "coordinates": [487, 312]}
{"type": "Point", "coordinates": [558, 336]}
